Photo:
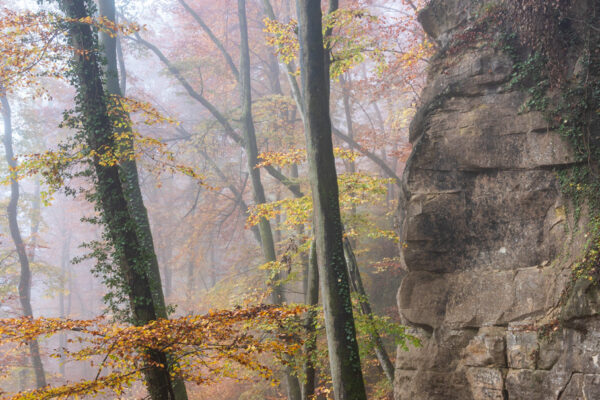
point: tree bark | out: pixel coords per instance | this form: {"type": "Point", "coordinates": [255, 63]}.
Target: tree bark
{"type": "Point", "coordinates": [264, 226]}
{"type": "Point", "coordinates": [36, 216]}
{"type": "Point", "coordinates": [311, 298]}
{"type": "Point", "coordinates": [365, 308]}
{"type": "Point", "coordinates": [15, 233]}
{"type": "Point", "coordinates": [351, 166]}
{"type": "Point", "coordinates": [344, 359]}
{"type": "Point", "coordinates": [122, 228]}
{"type": "Point", "coordinates": [130, 181]}
{"type": "Point", "coordinates": [122, 70]}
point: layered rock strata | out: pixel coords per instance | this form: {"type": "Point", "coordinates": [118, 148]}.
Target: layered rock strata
{"type": "Point", "coordinates": [488, 239]}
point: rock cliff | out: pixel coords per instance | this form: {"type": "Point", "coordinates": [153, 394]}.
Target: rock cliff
{"type": "Point", "coordinates": [488, 239]}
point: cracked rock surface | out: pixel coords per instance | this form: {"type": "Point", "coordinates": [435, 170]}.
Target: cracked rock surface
{"type": "Point", "coordinates": [487, 247]}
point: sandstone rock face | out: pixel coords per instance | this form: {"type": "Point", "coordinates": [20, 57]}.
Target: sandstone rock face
{"type": "Point", "coordinates": [487, 247]}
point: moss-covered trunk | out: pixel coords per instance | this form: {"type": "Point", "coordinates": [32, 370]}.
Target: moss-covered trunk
{"type": "Point", "coordinates": [134, 262]}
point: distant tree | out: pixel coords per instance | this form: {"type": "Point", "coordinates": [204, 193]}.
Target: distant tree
{"type": "Point", "coordinates": [15, 233]}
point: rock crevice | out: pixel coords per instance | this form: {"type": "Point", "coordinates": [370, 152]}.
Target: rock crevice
{"type": "Point", "coordinates": [488, 241]}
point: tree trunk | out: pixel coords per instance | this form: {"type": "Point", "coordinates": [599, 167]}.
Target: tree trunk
{"type": "Point", "coordinates": [15, 233]}
{"type": "Point", "coordinates": [344, 359]}
{"type": "Point", "coordinates": [365, 308]}
{"type": "Point", "coordinates": [266, 234]}
{"type": "Point", "coordinates": [122, 228]}
{"type": "Point", "coordinates": [64, 266]}
{"type": "Point", "coordinates": [311, 298]}
{"type": "Point", "coordinates": [264, 227]}
{"type": "Point", "coordinates": [130, 179]}
{"type": "Point", "coordinates": [350, 165]}
{"type": "Point", "coordinates": [121, 62]}
{"type": "Point", "coordinates": [36, 215]}
{"type": "Point", "coordinates": [129, 173]}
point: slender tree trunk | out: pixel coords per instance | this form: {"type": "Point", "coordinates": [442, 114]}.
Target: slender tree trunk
{"type": "Point", "coordinates": [365, 309]}
{"type": "Point", "coordinates": [266, 234]}
{"type": "Point", "coordinates": [70, 295]}
{"type": "Point", "coordinates": [121, 60]}
{"type": "Point", "coordinates": [122, 228]}
{"type": "Point", "coordinates": [130, 181]}
{"type": "Point", "coordinates": [311, 297]}
{"type": "Point", "coordinates": [264, 227]}
{"type": "Point", "coordinates": [344, 359]}
{"type": "Point", "coordinates": [36, 215]}
{"type": "Point", "coordinates": [290, 68]}
{"type": "Point", "coordinates": [190, 287]}
{"type": "Point", "coordinates": [167, 270]}
{"type": "Point", "coordinates": [15, 233]}
{"type": "Point", "coordinates": [351, 166]}
{"type": "Point", "coordinates": [64, 266]}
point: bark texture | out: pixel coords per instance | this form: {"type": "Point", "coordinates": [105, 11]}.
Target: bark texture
{"type": "Point", "coordinates": [339, 322]}
{"type": "Point", "coordinates": [311, 298]}
{"type": "Point", "coordinates": [121, 226]}
{"type": "Point", "coordinates": [129, 176]}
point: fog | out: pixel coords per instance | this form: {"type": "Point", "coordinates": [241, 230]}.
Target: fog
{"type": "Point", "coordinates": [186, 110]}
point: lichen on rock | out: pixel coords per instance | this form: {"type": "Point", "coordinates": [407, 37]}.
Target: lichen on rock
{"type": "Point", "coordinates": [487, 242]}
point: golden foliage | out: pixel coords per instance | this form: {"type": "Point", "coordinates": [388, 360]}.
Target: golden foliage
{"type": "Point", "coordinates": [204, 347]}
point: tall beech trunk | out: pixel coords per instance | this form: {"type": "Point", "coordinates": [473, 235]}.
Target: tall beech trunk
{"type": "Point", "coordinates": [251, 147]}
{"type": "Point", "coordinates": [297, 96]}
{"type": "Point", "coordinates": [15, 233]}
{"type": "Point", "coordinates": [264, 227]}
{"type": "Point", "coordinates": [344, 359]}
{"type": "Point", "coordinates": [311, 297]}
{"type": "Point", "coordinates": [365, 309]}
{"type": "Point", "coordinates": [121, 226]}
{"type": "Point", "coordinates": [129, 176]}
{"type": "Point", "coordinates": [129, 173]}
